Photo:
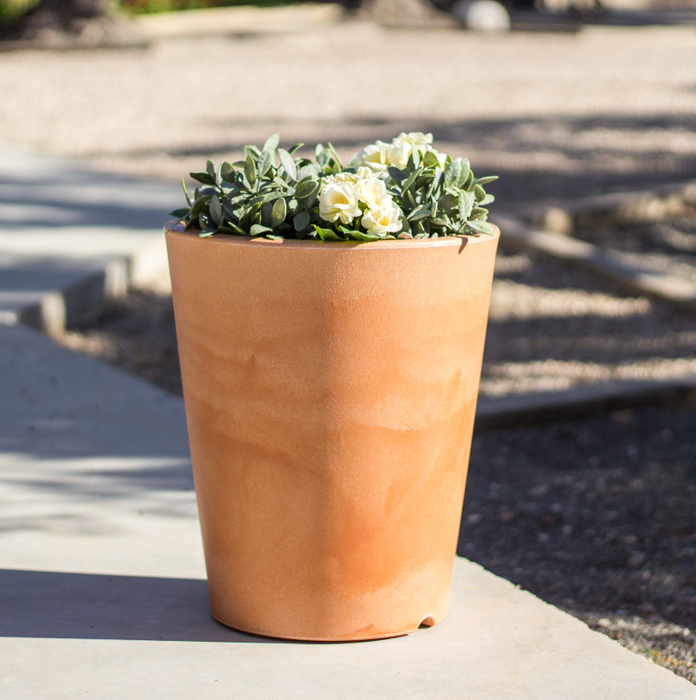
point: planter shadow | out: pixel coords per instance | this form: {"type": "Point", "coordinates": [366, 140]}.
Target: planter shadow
{"type": "Point", "coordinates": [62, 605]}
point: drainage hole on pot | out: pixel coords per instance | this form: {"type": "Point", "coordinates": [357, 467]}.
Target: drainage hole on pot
{"type": "Point", "coordinates": [427, 621]}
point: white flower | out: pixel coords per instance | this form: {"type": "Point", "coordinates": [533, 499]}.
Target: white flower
{"type": "Point", "coordinates": [398, 154]}
{"type": "Point", "coordinates": [339, 200]}
{"type": "Point", "coordinates": [345, 177]}
{"type": "Point", "coordinates": [382, 219]}
{"type": "Point", "coordinates": [374, 156]}
{"type": "Point", "coordinates": [372, 190]}
{"type": "Point", "coordinates": [415, 139]}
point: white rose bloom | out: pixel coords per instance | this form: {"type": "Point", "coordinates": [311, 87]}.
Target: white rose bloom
{"type": "Point", "coordinates": [373, 156]}
{"type": "Point", "coordinates": [345, 177]}
{"type": "Point", "coordinates": [373, 191]}
{"type": "Point", "coordinates": [398, 154]}
{"type": "Point", "coordinates": [383, 219]}
{"type": "Point", "coordinates": [339, 200]}
{"type": "Point", "coordinates": [415, 139]}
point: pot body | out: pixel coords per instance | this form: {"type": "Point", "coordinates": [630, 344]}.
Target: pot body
{"type": "Point", "coordinates": [330, 393]}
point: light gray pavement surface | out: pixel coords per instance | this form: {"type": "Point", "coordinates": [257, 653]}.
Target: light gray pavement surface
{"type": "Point", "coordinates": [71, 237]}
{"type": "Point", "coordinates": [103, 579]}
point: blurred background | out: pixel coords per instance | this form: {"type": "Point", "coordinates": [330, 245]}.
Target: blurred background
{"type": "Point", "coordinates": [585, 491]}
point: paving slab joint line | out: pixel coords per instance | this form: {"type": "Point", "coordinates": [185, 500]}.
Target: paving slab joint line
{"type": "Point", "coordinates": [677, 291]}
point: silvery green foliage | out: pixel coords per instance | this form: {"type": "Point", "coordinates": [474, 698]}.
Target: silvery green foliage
{"type": "Point", "coordinates": [273, 194]}
{"type": "Point", "coordinates": [440, 200]}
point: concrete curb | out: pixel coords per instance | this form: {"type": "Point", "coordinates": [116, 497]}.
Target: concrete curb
{"type": "Point", "coordinates": [81, 239]}
{"type": "Point", "coordinates": [677, 291]}
{"type": "Point", "coordinates": [522, 410]}
{"type": "Point", "coordinates": [651, 205]}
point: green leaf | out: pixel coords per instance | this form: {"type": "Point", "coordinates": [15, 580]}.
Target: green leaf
{"type": "Point", "coordinates": [479, 193]}
{"type": "Point", "coordinates": [396, 174]}
{"type": "Point", "coordinates": [430, 159]}
{"type": "Point", "coordinates": [250, 170]}
{"type": "Point", "coordinates": [448, 201]}
{"type": "Point", "coordinates": [488, 199]}
{"type": "Point", "coordinates": [452, 173]}
{"type": "Point", "coordinates": [310, 170]}
{"type": "Point", "coordinates": [186, 194]}
{"type": "Point", "coordinates": [419, 213]}
{"type": "Point", "coordinates": [251, 150]}
{"type": "Point", "coordinates": [278, 213]}
{"type": "Point", "coordinates": [210, 169]}
{"type": "Point", "coordinates": [415, 157]}
{"type": "Point", "coordinates": [180, 213]}
{"type": "Point", "coordinates": [464, 171]}
{"type": "Point", "coordinates": [481, 227]}
{"type": "Point", "coordinates": [288, 163]}
{"type": "Point", "coordinates": [206, 233]}
{"type": "Point", "coordinates": [203, 177]}
{"type": "Point", "coordinates": [275, 237]}
{"type": "Point", "coordinates": [265, 162]}
{"type": "Point", "coordinates": [326, 234]}
{"type": "Point", "coordinates": [294, 148]}
{"type": "Point", "coordinates": [334, 154]}
{"type": "Point", "coordinates": [360, 235]}
{"type": "Point", "coordinates": [259, 230]}
{"type": "Point", "coordinates": [227, 172]}
{"type": "Point", "coordinates": [301, 221]}
{"type": "Point", "coordinates": [233, 229]}
{"type": "Point", "coordinates": [271, 143]}
{"type": "Point", "coordinates": [216, 210]}
{"type": "Point", "coordinates": [485, 180]}
{"type": "Point", "coordinates": [306, 189]}
{"type": "Point", "coordinates": [465, 205]}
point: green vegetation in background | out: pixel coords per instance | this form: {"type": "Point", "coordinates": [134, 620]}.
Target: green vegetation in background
{"type": "Point", "coordinates": [150, 6]}
{"type": "Point", "coordinates": [11, 9]}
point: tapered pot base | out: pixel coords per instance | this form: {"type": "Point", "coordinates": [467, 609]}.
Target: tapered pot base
{"type": "Point", "coordinates": [428, 621]}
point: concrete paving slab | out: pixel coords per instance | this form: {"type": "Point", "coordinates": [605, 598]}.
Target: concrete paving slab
{"type": "Point", "coordinates": [103, 592]}
{"type": "Point", "coordinates": [71, 238]}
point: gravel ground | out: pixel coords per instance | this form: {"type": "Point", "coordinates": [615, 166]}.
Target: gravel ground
{"type": "Point", "coordinates": [596, 517]}
{"type": "Point", "coordinates": [666, 247]}
{"type": "Point", "coordinates": [555, 115]}
{"type": "Point", "coordinates": [553, 327]}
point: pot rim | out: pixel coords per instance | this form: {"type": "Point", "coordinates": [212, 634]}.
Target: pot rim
{"type": "Point", "coordinates": [460, 240]}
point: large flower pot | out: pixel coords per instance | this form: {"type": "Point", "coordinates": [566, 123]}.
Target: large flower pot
{"type": "Point", "coordinates": [330, 392]}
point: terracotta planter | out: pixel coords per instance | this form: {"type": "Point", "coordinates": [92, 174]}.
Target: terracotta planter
{"type": "Point", "coordinates": [330, 393]}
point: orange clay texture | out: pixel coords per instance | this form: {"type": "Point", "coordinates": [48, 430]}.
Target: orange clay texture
{"type": "Point", "coordinates": [330, 394]}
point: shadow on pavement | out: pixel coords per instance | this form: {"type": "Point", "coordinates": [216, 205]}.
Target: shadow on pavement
{"type": "Point", "coordinates": [63, 605]}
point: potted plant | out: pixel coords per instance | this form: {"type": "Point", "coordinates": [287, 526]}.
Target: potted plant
{"type": "Point", "coordinates": [331, 323]}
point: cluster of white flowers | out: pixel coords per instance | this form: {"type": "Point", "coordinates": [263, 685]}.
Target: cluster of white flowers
{"type": "Point", "coordinates": [379, 156]}
{"type": "Point", "coordinates": [348, 196]}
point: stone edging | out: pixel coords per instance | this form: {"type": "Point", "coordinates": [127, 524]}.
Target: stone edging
{"type": "Point", "coordinates": [522, 410]}
{"type": "Point", "coordinates": [677, 291]}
